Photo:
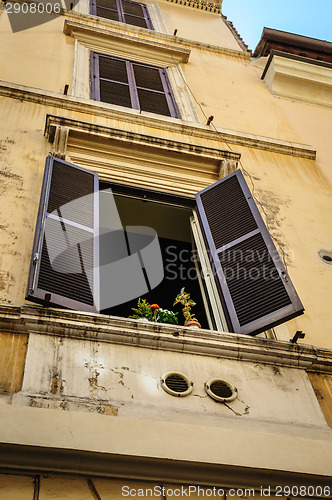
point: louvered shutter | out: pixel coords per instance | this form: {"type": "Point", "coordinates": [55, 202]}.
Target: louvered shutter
{"type": "Point", "coordinates": [153, 90]}
{"type": "Point", "coordinates": [125, 11]}
{"type": "Point", "coordinates": [255, 288]}
{"type": "Point", "coordinates": [133, 85]}
{"type": "Point", "coordinates": [105, 8]}
{"type": "Point", "coordinates": [136, 14]}
{"type": "Point", "coordinates": [65, 263]}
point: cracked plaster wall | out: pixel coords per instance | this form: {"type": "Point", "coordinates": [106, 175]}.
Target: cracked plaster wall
{"type": "Point", "coordinates": [76, 375]}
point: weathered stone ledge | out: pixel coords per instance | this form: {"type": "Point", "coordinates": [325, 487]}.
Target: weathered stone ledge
{"type": "Point", "coordinates": [100, 328]}
{"type": "Point", "coordinates": [173, 125]}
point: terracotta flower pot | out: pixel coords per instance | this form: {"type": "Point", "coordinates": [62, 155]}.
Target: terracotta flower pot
{"type": "Point", "coordinates": [192, 324]}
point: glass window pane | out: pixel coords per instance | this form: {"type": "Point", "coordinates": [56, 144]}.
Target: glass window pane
{"type": "Point", "coordinates": [113, 69]}
{"type": "Point", "coordinates": [115, 93]}
{"type": "Point", "coordinates": [136, 21]}
{"type": "Point", "coordinates": [107, 13]}
{"type": "Point", "coordinates": [148, 78]}
{"type": "Point", "coordinates": [153, 102]}
{"type": "Point", "coordinates": [133, 8]}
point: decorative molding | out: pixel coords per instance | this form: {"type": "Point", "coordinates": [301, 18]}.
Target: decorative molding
{"type": "Point", "coordinates": [182, 94]}
{"type": "Point", "coordinates": [201, 5]}
{"type": "Point", "coordinates": [60, 142]}
{"type": "Point", "coordinates": [79, 460]}
{"type": "Point", "coordinates": [156, 16]}
{"type": "Point", "coordinates": [120, 156]}
{"type": "Point", "coordinates": [299, 79]}
{"type": "Point", "coordinates": [172, 125]}
{"type": "Point", "coordinates": [55, 124]}
{"type": "Point", "coordinates": [152, 36]}
{"type": "Point", "coordinates": [124, 331]}
{"type": "Point", "coordinates": [124, 45]}
{"type": "Point", "coordinates": [227, 167]}
{"type": "Point", "coordinates": [81, 71]}
{"type": "Point", "coordinates": [81, 76]}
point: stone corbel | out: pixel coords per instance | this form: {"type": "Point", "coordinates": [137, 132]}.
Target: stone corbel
{"type": "Point", "coordinates": [227, 167]}
{"type": "Point", "coordinates": [59, 148]}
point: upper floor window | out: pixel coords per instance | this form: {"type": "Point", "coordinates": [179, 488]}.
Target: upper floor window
{"type": "Point", "coordinates": [124, 11]}
{"type": "Point", "coordinates": [131, 84]}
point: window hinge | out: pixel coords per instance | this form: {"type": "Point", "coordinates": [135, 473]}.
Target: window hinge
{"type": "Point", "coordinates": [284, 275]}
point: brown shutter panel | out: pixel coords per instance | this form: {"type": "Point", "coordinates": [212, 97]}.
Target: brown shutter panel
{"type": "Point", "coordinates": [133, 85]}
{"type": "Point", "coordinates": [154, 90]}
{"type": "Point", "coordinates": [136, 14]}
{"type": "Point", "coordinates": [113, 81]}
{"type": "Point", "coordinates": [254, 285]}
{"type": "Point", "coordinates": [105, 8]}
{"type": "Point", "coordinates": [65, 262]}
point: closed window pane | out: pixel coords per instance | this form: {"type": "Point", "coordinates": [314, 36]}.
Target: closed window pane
{"type": "Point", "coordinates": [136, 21]}
{"type": "Point", "coordinates": [115, 93]}
{"type": "Point", "coordinates": [153, 102]}
{"type": "Point", "coordinates": [133, 8]}
{"type": "Point", "coordinates": [148, 78]}
{"type": "Point", "coordinates": [113, 69]}
{"type": "Point", "coordinates": [110, 4]}
{"type": "Point", "coordinates": [125, 11]}
{"type": "Point", "coordinates": [107, 14]}
{"type": "Point", "coordinates": [132, 85]}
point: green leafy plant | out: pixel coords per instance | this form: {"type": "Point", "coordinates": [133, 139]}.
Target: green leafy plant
{"type": "Point", "coordinates": [166, 316]}
{"type": "Point", "coordinates": [153, 312]}
{"type": "Point", "coordinates": [143, 310]}
{"type": "Point", "coordinates": [184, 299]}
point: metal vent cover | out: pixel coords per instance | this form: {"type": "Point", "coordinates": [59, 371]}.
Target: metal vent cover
{"type": "Point", "coordinates": [176, 384]}
{"type": "Point", "coordinates": [220, 390]}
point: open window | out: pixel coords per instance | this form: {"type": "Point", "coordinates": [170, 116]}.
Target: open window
{"type": "Point", "coordinates": [131, 84]}
{"type": "Point", "coordinates": [65, 258]}
{"type": "Point", "coordinates": [98, 247]}
{"type": "Point", "coordinates": [124, 11]}
{"type": "Point", "coordinates": [253, 283]}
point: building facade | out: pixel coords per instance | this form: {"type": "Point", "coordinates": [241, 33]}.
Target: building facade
{"type": "Point", "coordinates": [144, 149]}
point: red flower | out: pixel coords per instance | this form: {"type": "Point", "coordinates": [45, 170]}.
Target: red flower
{"type": "Point", "coordinates": [154, 306]}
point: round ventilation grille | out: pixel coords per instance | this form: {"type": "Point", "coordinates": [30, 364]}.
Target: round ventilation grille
{"type": "Point", "coordinates": [220, 390]}
{"type": "Point", "coordinates": [176, 384]}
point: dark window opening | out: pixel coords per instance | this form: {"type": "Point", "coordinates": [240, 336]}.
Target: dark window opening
{"type": "Point", "coordinates": [173, 227]}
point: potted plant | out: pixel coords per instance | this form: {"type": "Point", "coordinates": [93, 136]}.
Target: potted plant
{"type": "Point", "coordinates": [166, 316]}
{"type": "Point", "coordinates": [143, 311]}
{"type": "Point", "coordinates": [152, 312]}
{"type": "Point", "coordinates": [184, 299]}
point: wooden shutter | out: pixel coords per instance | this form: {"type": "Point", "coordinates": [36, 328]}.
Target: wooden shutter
{"type": "Point", "coordinates": [254, 285]}
{"type": "Point", "coordinates": [65, 262]}
{"type": "Point", "coordinates": [125, 11]}
{"type": "Point", "coordinates": [105, 8]}
{"type": "Point", "coordinates": [130, 84]}
{"type": "Point", "coordinates": [153, 90]}
{"type": "Point", "coordinates": [136, 14]}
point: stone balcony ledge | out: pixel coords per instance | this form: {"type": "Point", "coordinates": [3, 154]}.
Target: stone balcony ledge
{"type": "Point", "coordinates": [34, 319]}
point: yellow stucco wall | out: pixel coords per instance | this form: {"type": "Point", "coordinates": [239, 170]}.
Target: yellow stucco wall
{"type": "Point", "coordinates": [206, 27]}
{"type": "Point", "coordinates": [13, 352]}
{"type": "Point", "coordinates": [41, 57]}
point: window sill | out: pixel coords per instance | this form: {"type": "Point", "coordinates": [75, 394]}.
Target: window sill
{"type": "Point", "coordinates": [125, 331]}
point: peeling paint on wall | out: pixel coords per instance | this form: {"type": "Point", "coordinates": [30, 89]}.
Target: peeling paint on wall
{"type": "Point", "coordinates": [13, 348]}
